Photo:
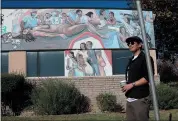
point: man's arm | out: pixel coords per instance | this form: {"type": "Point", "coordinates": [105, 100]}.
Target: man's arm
{"type": "Point", "coordinates": [145, 79]}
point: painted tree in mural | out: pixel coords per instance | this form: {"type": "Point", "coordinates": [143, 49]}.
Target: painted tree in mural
{"type": "Point", "coordinates": [165, 24]}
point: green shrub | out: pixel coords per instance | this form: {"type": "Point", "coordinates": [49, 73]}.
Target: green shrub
{"type": "Point", "coordinates": [55, 97]}
{"type": "Point", "coordinates": [107, 102]}
{"type": "Point", "coordinates": [167, 97]}
{"type": "Point", "coordinates": [15, 92]}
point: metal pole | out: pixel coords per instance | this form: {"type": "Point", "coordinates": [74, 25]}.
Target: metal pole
{"type": "Point", "coordinates": [150, 72]}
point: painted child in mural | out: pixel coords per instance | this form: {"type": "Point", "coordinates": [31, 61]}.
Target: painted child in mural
{"type": "Point", "coordinates": [71, 64]}
{"type": "Point", "coordinates": [92, 59]}
{"type": "Point", "coordinates": [101, 63]}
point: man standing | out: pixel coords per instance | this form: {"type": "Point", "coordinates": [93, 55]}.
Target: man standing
{"type": "Point", "coordinates": [137, 87]}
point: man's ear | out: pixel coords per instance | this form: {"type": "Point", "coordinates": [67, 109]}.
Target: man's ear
{"type": "Point", "coordinates": [141, 46]}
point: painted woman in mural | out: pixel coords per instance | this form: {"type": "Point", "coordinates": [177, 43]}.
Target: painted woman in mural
{"type": "Point", "coordinates": [84, 66]}
{"type": "Point", "coordinates": [71, 64]}
{"type": "Point", "coordinates": [61, 30]}
{"type": "Point", "coordinates": [103, 18]}
{"type": "Point", "coordinates": [130, 26]}
{"type": "Point", "coordinates": [84, 53]}
{"type": "Point", "coordinates": [122, 35]}
{"type": "Point", "coordinates": [101, 63]}
{"type": "Point", "coordinates": [149, 18]}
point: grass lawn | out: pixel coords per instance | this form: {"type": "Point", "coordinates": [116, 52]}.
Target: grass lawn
{"type": "Point", "coordinates": [164, 115]}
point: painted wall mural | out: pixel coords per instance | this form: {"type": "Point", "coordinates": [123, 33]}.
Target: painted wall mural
{"type": "Point", "coordinates": [84, 62]}
{"type": "Point", "coordinates": [30, 29]}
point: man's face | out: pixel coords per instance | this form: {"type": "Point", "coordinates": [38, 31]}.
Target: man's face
{"type": "Point", "coordinates": [88, 45]}
{"type": "Point", "coordinates": [134, 46]}
{"type": "Point", "coordinates": [64, 16]}
{"type": "Point", "coordinates": [33, 14]}
{"type": "Point", "coordinates": [79, 13]}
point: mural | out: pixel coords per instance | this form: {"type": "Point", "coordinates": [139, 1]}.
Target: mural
{"type": "Point", "coordinates": [30, 29]}
{"type": "Point", "coordinates": [88, 62]}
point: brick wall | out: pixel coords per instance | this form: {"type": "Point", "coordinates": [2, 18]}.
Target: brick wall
{"type": "Point", "coordinates": [93, 86]}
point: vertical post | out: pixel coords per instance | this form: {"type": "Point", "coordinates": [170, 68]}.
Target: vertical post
{"type": "Point", "coordinates": [150, 72]}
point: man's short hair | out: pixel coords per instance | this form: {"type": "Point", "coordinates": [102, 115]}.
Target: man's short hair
{"type": "Point", "coordinates": [90, 42]}
{"type": "Point", "coordinates": [77, 11]}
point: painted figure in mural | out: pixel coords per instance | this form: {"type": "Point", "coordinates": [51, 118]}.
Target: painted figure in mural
{"type": "Point", "coordinates": [71, 64]}
{"type": "Point", "coordinates": [103, 18]}
{"type": "Point", "coordinates": [39, 20]}
{"type": "Point", "coordinates": [85, 57]}
{"type": "Point", "coordinates": [148, 22]}
{"type": "Point", "coordinates": [101, 63]}
{"type": "Point", "coordinates": [62, 30]}
{"type": "Point", "coordinates": [55, 18]}
{"type": "Point", "coordinates": [92, 59]}
{"type": "Point", "coordinates": [112, 19]}
{"type": "Point", "coordinates": [29, 21]}
{"type": "Point", "coordinates": [47, 19]}
{"type": "Point", "coordinates": [132, 28]}
{"type": "Point", "coordinates": [84, 66]}
{"type": "Point", "coordinates": [83, 19]}
{"type": "Point", "coordinates": [122, 35]}
{"type": "Point", "coordinates": [66, 19]}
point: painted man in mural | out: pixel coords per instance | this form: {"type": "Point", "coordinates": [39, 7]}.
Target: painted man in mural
{"type": "Point", "coordinates": [30, 21]}
{"type": "Point", "coordinates": [92, 59]}
{"type": "Point", "coordinates": [112, 19]}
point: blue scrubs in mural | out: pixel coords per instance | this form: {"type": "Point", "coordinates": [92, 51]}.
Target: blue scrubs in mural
{"type": "Point", "coordinates": [30, 22]}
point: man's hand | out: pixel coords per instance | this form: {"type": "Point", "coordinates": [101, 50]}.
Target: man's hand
{"type": "Point", "coordinates": [127, 87]}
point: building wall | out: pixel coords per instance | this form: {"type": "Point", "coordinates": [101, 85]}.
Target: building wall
{"type": "Point", "coordinates": [17, 62]}
{"type": "Point", "coordinates": [89, 86]}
